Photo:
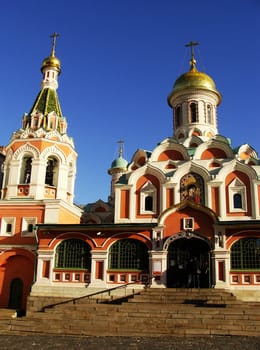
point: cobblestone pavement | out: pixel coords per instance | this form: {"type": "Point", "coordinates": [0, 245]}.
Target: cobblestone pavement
{"type": "Point", "coordinates": [14, 342]}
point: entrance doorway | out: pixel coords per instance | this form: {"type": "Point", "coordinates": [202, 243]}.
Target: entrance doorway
{"type": "Point", "coordinates": [183, 254]}
{"type": "Point", "coordinates": [16, 294]}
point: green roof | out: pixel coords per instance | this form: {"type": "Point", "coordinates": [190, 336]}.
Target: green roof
{"type": "Point", "coordinates": [47, 101]}
{"type": "Point", "coordinates": [119, 163]}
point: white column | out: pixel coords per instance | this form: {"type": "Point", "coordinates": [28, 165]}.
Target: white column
{"type": "Point", "coordinates": [222, 201]}
{"type": "Point", "coordinates": [13, 180]}
{"type": "Point", "coordinates": [158, 268]}
{"type": "Point", "coordinates": [62, 182]}
{"type": "Point", "coordinates": [221, 263]}
{"type": "Point", "coordinates": [37, 178]}
{"type": "Point", "coordinates": [44, 256]}
{"type": "Point", "coordinates": [98, 257]}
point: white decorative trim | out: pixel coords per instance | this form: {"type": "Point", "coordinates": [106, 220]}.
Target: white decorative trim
{"type": "Point", "coordinates": [28, 222]}
{"type": "Point", "coordinates": [237, 188]}
{"type": "Point", "coordinates": [162, 147]}
{"type": "Point", "coordinates": [188, 224]}
{"type": "Point", "coordinates": [212, 143]}
{"type": "Point", "coordinates": [54, 151]}
{"type": "Point", "coordinates": [26, 149]}
{"type": "Point", "coordinates": [148, 191]}
{"type": "Point", "coordinates": [7, 226]}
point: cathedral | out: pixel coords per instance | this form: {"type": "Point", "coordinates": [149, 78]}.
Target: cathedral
{"type": "Point", "coordinates": [183, 215]}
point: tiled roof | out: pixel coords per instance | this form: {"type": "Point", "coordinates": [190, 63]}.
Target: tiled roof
{"type": "Point", "coordinates": [47, 101]}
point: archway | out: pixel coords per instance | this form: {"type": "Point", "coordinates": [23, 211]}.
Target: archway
{"type": "Point", "coordinates": [16, 294]}
{"type": "Point", "coordinates": [184, 252]}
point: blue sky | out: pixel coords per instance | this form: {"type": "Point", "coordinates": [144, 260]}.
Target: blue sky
{"type": "Point", "coordinates": [120, 59]}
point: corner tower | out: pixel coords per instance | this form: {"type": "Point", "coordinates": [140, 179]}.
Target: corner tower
{"type": "Point", "coordinates": [194, 100]}
{"type": "Point", "coordinates": [117, 169]}
{"type": "Point", "coordinates": [41, 158]}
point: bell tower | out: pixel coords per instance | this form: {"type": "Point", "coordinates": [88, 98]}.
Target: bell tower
{"type": "Point", "coordinates": [40, 158]}
{"type": "Point", "coordinates": [194, 100]}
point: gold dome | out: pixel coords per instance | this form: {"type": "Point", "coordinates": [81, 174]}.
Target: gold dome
{"type": "Point", "coordinates": [51, 61]}
{"type": "Point", "coordinates": [193, 79]}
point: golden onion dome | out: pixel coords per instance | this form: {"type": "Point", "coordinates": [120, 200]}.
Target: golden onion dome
{"type": "Point", "coordinates": [51, 61]}
{"type": "Point", "coordinates": [193, 79]}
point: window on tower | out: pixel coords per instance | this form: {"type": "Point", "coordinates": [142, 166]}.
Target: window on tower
{"type": "Point", "coordinates": [178, 116]}
{"type": "Point", "coordinates": [28, 224]}
{"type": "Point", "coordinates": [26, 170]}
{"type": "Point", "coordinates": [7, 226]}
{"type": "Point", "coordinates": [51, 171]}
{"type": "Point", "coordinates": [193, 112]}
{"type": "Point", "coordinates": [209, 114]}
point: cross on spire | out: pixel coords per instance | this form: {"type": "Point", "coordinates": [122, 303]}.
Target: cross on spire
{"type": "Point", "coordinates": [54, 38]}
{"type": "Point", "coordinates": [120, 142]}
{"type": "Point", "coordinates": [191, 44]}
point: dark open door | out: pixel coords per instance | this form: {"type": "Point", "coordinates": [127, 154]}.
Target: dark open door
{"type": "Point", "coordinates": [179, 254]}
{"type": "Point", "coordinates": [16, 294]}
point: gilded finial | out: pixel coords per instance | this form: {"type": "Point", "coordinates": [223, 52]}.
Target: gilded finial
{"type": "Point", "coordinates": [54, 38]}
{"type": "Point", "coordinates": [120, 142]}
{"type": "Point", "coordinates": [52, 60]}
{"type": "Point", "coordinates": [191, 44]}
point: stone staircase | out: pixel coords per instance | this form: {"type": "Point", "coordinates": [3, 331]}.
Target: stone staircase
{"type": "Point", "coordinates": [5, 316]}
{"type": "Point", "coordinates": [152, 312]}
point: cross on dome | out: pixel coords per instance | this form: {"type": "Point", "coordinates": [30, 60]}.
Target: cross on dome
{"type": "Point", "coordinates": [54, 39]}
{"type": "Point", "coordinates": [120, 142]}
{"type": "Point", "coordinates": [191, 44]}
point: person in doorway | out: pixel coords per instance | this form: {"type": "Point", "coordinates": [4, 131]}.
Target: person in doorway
{"type": "Point", "coordinates": [189, 273]}
{"type": "Point", "coordinates": [197, 273]}
{"type": "Point", "coordinates": [205, 275]}
{"type": "Point", "coordinates": [194, 272]}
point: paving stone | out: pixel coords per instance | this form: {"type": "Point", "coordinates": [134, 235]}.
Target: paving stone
{"type": "Point", "coordinates": [129, 343]}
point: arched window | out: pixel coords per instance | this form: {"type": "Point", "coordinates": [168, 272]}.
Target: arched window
{"type": "Point", "coordinates": [148, 198]}
{"type": "Point", "coordinates": [178, 116]}
{"type": "Point", "coordinates": [73, 254]}
{"type": "Point", "coordinates": [237, 201]}
{"type": "Point", "coordinates": [193, 112]}
{"type": "Point", "coordinates": [128, 254]}
{"type": "Point", "coordinates": [51, 171]}
{"type": "Point", "coordinates": [209, 114]}
{"type": "Point", "coordinates": [237, 196]}
{"type": "Point", "coordinates": [245, 254]}
{"type": "Point", "coordinates": [26, 170]}
{"type": "Point", "coordinates": [149, 203]}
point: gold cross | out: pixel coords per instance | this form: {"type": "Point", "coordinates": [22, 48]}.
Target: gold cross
{"type": "Point", "coordinates": [191, 44]}
{"type": "Point", "coordinates": [54, 38]}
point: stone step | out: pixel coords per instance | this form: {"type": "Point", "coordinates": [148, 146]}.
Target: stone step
{"type": "Point", "coordinates": [137, 326]}
{"type": "Point", "coordinates": [6, 314]}
{"type": "Point", "coordinates": [152, 312]}
{"type": "Point", "coordinates": [190, 300]}
{"type": "Point", "coordinates": [106, 309]}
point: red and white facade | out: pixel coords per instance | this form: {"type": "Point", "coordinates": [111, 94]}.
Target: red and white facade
{"type": "Point", "coordinates": [192, 197]}
{"type": "Point", "coordinates": [38, 187]}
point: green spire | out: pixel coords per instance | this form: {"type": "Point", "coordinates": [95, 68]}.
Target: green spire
{"type": "Point", "coordinates": [47, 101]}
